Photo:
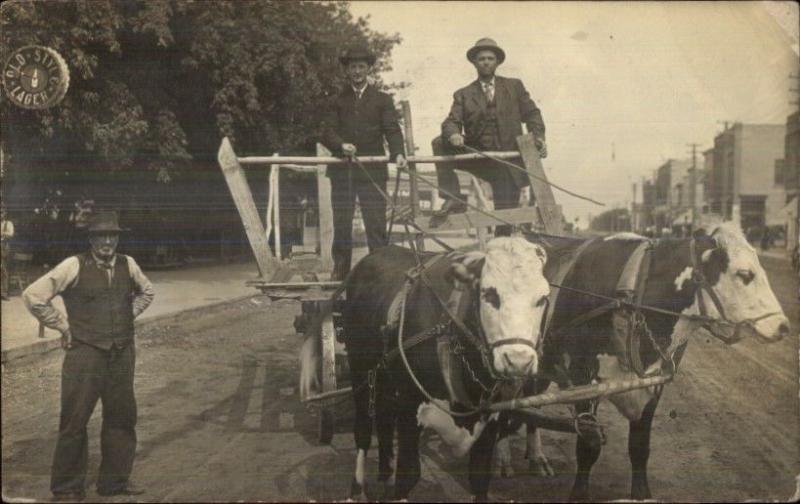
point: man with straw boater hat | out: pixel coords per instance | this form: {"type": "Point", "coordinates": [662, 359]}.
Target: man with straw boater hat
{"type": "Point", "coordinates": [486, 115]}
{"type": "Point", "coordinates": [103, 293]}
{"type": "Point", "coordinates": [356, 124]}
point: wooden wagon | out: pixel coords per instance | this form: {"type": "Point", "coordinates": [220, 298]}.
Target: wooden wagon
{"type": "Point", "coordinates": [304, 278]}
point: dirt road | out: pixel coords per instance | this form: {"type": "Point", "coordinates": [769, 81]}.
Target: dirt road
{"type": "Point", "coordinates": [215, 424]}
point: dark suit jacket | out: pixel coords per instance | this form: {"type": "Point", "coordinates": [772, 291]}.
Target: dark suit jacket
{"type": "Point", "coordinates": [514, 107]}
{"type": "Point", "coordinates": [364, 124]}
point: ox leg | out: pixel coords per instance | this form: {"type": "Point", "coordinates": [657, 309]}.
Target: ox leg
{"type": "Point", "coordinates": [408, 464]}
{"type": "Point", "coordinates": [587, 451]}
{"type": "Point", "coordinates": [480, 462]}
{"type": "Point", "coordinates": [362, 427]}
{"type": "Point", "coordinates": [385, 424]}
{"type": "Point", "coordinates": [639, 451]}
{"type": "Point", "coordinates": [538, 464]}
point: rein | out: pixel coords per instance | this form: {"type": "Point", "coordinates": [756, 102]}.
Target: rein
{"type": "Point", "coordinates": [712, 324]}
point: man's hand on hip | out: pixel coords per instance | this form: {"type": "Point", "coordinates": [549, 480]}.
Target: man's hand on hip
{"type": "Point", "coordinates": [456, 140]}
{"type": "Point", "coordinates": [348, 149]}
{"type": "Point", "coordinates": [66, 339]}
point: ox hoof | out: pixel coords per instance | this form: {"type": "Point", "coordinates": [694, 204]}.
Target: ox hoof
{"type": "Point", "coordinates": [540, 466]}
{"type": "Point", "coordinates": [388, 491]}
{"type": "Point", "coordinates": [358, 493]}
{"type": "Point", "coordinates": [505, 471]}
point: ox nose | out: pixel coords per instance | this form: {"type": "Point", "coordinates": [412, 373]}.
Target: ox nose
{"type": "Point", "coordinates": [516, 360]}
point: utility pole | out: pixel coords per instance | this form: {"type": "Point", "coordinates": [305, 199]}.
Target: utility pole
{"type": "Point", "coordinates": [693, 186]}
{"type": "Point", "coordinates": [634, 211]}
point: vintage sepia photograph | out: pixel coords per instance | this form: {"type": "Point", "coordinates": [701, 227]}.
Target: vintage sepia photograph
{"type": "Point", "coordinates": [414, 251]}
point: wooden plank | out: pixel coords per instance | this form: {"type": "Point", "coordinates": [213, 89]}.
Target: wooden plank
{"type": "Point", "coordinates": [283, 273]}
{"type": "Point", "coordinates": [327, 336]}
{"type": "Point", "coordinates": [240, 191]}
{"type": "Point", "coordinates": [480, 202]}
{"type": "Point", "coordinates": [545, 201]}
{"type": "Point", "coordinates": [325, 212]}
{"type": "Point", "coordinates": [293, 285]}
{"type": "Point", "coordinates": [473, 219]}
{"type": "Point", "coordinates": [413, 184]}
{"type": "Point", "coordinates": [328, 159]}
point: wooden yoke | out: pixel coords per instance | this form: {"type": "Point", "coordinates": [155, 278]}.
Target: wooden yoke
{"type": "Point", "coordinates": [549, 212]}
{"type": "Point", "coordinates": [240, 191]}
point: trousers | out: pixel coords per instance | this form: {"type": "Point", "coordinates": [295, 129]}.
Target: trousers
{"type": "Point", "coordinates": [504, 190]}
{"type": "Point", "coordinates": [345, 188]}
{"type": "Point", "coordinates": [89, 374]}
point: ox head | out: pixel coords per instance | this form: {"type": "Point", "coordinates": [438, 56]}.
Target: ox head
{"type": "Point", "coordinates": [509, 279]}
{"type": "Point", "coordinates": [733, 271]}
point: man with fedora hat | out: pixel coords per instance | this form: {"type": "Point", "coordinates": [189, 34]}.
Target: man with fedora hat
{"type": "Point", "coordinates": [356, 123]}
{"type": "Point", "coordinates": [103, 293]}
{"type": "Point", "coordinates": [487, 115]}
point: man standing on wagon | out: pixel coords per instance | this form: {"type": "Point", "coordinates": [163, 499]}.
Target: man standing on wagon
{"type": "Point", "coordinates": [357, 122]}
{"type": "Point", "coordinates": [486, 115]}
{"type": "Point", "coordinates": [103, 293]}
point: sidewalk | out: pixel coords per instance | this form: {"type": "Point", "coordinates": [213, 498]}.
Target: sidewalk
{"type": "Point", "coordinates": [176, 291]}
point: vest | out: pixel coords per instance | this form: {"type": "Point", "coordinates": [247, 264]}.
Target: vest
{"type": "Point", "coordinates": [100, 314]}
{"type": "Point", "coordinates": [490, 135]}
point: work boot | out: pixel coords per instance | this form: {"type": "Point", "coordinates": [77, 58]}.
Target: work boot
{"type": "Point", "coordinates": [450, 206]}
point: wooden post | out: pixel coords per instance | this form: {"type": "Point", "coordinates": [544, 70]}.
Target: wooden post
{"type": "Point", "coordinates": [276, 214]}
{"type": "Point", "coordinates": [325, 212]}
{"type": "Point", "coordinates": [545, 202]}
{"type": "Point", "coordinates": [411, 149]}
{"type": "Point", "coordinates": [240, 191]}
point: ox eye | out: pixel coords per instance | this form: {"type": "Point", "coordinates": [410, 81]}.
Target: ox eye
{"type": "Point", "coordinates": [541, 302]}
{"type": "Point", "coordinates": [491, 296]}
{"type": "Point", "coordinates": [747, 276]}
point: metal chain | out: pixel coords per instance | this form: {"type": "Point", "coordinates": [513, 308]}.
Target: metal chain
{"type": "Point", "coordinates": [371, 379]}
{"type": "Point", "coordinates": [640, 322]}
{"type": "Point", "coordinates": [459, 350]}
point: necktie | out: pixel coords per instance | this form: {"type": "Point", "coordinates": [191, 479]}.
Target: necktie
{"type": "Point", "coordinates": [488, 90]}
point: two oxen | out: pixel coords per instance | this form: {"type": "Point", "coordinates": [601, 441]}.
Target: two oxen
{"type": "Point", "coordinates": [474, 331]}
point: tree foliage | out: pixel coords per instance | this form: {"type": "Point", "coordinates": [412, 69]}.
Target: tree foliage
{"type": "Point", "coordinates": [157, 83]}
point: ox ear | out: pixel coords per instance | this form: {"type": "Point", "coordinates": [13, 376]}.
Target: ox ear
{"type": "Point", "coordinates": [540, 252]}
{"type": "Point", "coordinates": [465, 270]}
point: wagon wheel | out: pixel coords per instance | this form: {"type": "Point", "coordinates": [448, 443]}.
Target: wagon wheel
{"type": "Point", "coordinates": [327, 335]}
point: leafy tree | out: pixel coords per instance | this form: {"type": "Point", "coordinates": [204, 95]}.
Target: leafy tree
{"type": "Point", "coordinates": [156, 84]}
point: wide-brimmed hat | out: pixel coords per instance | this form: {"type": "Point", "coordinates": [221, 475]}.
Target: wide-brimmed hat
{"type": "Point", "coordinates": [486, 43]}
{"type": "Point", "coordinates": [357, 53]}
{"type": "Point", "coordinates": [104, 222]}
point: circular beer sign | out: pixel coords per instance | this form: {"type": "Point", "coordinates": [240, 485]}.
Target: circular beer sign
{"type": "Point", "coordinates": [35, 77]}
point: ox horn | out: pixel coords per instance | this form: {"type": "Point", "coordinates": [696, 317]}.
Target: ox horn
{"type": "Point", "coordinates": [462, 273]}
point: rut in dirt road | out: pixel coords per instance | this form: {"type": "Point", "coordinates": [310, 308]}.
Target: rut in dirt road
{"type": "Point", "coordinates": [214, 425]}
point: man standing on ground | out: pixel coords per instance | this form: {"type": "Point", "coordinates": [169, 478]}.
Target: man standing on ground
{"type": "Point", "coordinates": [103, 293]}
{"type": "Point", "coordinates": [357, 122]}
{"type": "Point", "coordinates": [6, 234]}
{"type": "Point", "coordinates": [487, 115]}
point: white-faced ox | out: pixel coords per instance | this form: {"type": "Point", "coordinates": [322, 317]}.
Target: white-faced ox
{"type": "Point", "coordinates": [506, 295]}
{"type": "Point", "coordinates": [717, 275]}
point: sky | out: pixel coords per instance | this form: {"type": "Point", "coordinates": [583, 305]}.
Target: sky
{"type": "Point", "coordinates": [640, 80]}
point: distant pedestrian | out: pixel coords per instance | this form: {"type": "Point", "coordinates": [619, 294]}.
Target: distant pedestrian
{"type": "Point", "coordinates": [103, 293]}
{"type": "Point", "coordinates": [765, 239]}
{"type": "Point", "coordinates": [6, 235]}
